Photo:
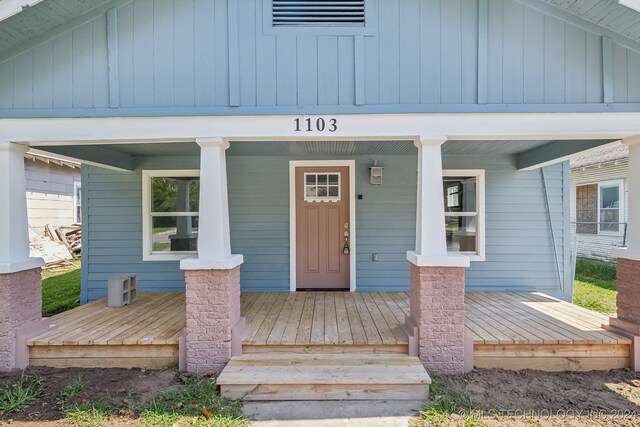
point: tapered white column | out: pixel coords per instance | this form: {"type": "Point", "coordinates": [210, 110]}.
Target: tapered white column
{"type": "Point", "coordinates": [632, 251]}
{"type": "Point", "coordinates": [431, 241]}
{"type": "Point", "coordinates": [14, 231]}
{"type": "Point", "coordinates": [627, 319]}
{"type": "Point", "coordinates": [633, 230]}
{"type": "Point", "coordinates": [214, 243]}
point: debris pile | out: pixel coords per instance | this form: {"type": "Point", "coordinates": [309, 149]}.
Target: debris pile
{"type": "Point", "coordinates": [57, 245]}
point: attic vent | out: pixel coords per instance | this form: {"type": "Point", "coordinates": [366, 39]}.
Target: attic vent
{"type": "Point", "coordinates": [318, 13]}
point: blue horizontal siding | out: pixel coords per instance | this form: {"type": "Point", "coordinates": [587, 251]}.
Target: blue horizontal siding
{"type": "Point", "coordinates": [519, 244]}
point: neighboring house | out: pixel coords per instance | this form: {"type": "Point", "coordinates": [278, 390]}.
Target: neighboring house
{"type": "Point", "coordinates": [599, 198]}
{"type": "Point", "coordinates": [53, 192]}
{"type": "Point", "coordinates": [230, 148]}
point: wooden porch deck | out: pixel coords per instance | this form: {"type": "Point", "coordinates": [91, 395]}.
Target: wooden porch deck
{"type": "Point", "coordinates": [510, 330]}
{"type": "Point", "coordinates": [143, 334]}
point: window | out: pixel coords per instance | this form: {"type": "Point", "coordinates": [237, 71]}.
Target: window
{"type": "Point", "coordinates": [77, 202]}
{"type": "Point", "coordinates": [609, 206]}
{"type": "Point", "coordinates": [464, 212]}
{"type": "Point", "coordinates": [170, 214]}
{"type": "Point", "coordinates": [598, 207]}
{"type": "Point", "coordinates": [322, 187]}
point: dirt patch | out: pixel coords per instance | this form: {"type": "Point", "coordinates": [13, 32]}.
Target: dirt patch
{"type": "Point", "coordinates": [123, 389]}
{"type": "Point", "coordinates": [505, 398]}
{"type": "Point", "coordinates": [508, 398]}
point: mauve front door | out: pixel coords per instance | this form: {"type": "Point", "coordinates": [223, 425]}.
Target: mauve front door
{"type": "Point", "coordinates": [322, 227]}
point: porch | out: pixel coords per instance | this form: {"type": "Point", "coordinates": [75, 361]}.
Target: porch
{"type": "Point", "coordinates": [510, 330]}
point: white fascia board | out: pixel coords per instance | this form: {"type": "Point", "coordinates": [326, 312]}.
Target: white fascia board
{"type": "Point", "coordinates": [8, 8]}
{"type": "Point", "coordinates": [464, 126]}
{"type": "Point", "coordinates": [631, 4]}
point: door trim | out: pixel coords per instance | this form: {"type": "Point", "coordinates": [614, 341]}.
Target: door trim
{"type": "Point", "coordinates": [293, 164]}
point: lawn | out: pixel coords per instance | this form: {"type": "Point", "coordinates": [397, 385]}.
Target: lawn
{"type": "Point", "coordinates": [595, 286]}
{"type": "Point", "coordinates": [61, 289]}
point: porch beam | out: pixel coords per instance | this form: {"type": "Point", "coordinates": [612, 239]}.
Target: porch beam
{"type": "Point", "coordinates": [468, 126]}
{"type": "Point", "coordinates": [14, 244]}
{"type": "Point", "coordinates": [96, 156]}
{"type": "Point", "coordinates": [558, 151]}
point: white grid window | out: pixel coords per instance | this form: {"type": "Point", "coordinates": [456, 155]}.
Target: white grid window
{"type": "Point", "coordinates": [321, 187]}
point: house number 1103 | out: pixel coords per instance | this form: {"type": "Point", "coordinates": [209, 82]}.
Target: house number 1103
{"type": "Point", "coordinates": [318, 125]}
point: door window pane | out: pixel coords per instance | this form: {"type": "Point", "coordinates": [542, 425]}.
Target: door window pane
{"type": "Point", "coordinates": [322, 187]}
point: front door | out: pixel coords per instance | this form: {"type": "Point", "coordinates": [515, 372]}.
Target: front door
{"type": "Point", "coordinates": [322, 227]}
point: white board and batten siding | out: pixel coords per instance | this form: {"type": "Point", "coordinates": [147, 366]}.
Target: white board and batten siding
{"type": "Point", "coordinates": [519, 243]}
{"type": "Point", "coordinates": [50, 194]}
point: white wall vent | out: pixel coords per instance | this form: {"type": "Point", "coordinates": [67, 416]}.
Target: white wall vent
{"type": "Point", "coordinates": [315, 13]}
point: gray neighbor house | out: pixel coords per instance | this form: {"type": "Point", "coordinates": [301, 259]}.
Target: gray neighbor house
{"type": "Point", "coordinates": [308, 180]}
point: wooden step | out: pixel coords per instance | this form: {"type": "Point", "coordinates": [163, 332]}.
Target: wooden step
{"type": "Point", "coordinates": [327, 349]}
{"type": "Point", "coordinates": [293, 376]}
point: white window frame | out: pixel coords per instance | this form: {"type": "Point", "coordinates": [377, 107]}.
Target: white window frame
{"type": "Point", "coordinates": [77, 202]}
{"type": "Point", "coordinates": [607, 184]}
{"type": "Point", "coordinates": [479, 175]}
{"type": "Point", "coordinates": [147, 223]}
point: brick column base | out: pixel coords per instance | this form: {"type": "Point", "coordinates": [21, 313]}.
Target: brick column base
{"type": "Point", "coordinates": [627, 322]}
{"type": "Point", "coordinates": [213, 318]}
{"type": "Point", "coordinates": [20, 305]}
{"type": "Point", "coordinates": [437, 314]}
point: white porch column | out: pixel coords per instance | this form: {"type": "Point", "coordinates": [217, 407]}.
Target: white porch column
{"type": "Point", "coordinates": [633, 227]}
{"type": "Point", "coordinates": [215, 327]}
{"type": "Point", "coordinates": [214, 242]}
{"type": "Point", "coordinates": [20, 281]}
{"type": "Point", "coordinates": [14, 228]}
{"type": "Point", "coordinates": [431, 240]}
{"type": "Point", "coordinates": [436, 325]}
{"type": "Point", "coordinates": [627, 320]}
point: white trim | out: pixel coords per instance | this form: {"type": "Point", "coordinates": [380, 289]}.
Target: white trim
{"type": "Point", "coordinates": [626, 253]}
{"type": "Point", "coordinates": [479, 174]}
{"type": "Point", "coordinates": [468, 126]}
{"type": "Point", "coordinates": [77, 201]}
{"type": "Point", "coordinates": [453, 260]}
{"type": "Point", "coordinates": [293, 164]}
{"type": "Point", "coordinates": [147, 248]}
{"type": "Point", "coordinates": [195, 263]}
{"type": "Point", "coordinates": [27, 264]}
{"type": "Point", "coordinates": [631, 4]}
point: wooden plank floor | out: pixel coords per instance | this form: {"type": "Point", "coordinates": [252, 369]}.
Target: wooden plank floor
{"type": "Point", "coordinates": [510, 330]}
{"type": "Point", "coordinates": [143, 334]}
{"type": "Point", "coordinates": [325, 318]}
{"type": "Point", "coordinates": [533, 318]}
{"type": "Point", "coordinates": [531, 330]}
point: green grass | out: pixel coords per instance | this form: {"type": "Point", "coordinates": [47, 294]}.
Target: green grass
{"type": "Point", "coordinates": [595, 286]}
{"type": "Point", "coordinates": [183, 405]}
{"type": "Point", "coordinates": [91, 414]}
{"type": "Point", "coordinates": [70, 392]}
{"type": "Point", "coordinates": [60, 290]}
{"type": "Point", "coordinates": [18, 395]}
{"type": "Point", "coordinates": [443, 403]}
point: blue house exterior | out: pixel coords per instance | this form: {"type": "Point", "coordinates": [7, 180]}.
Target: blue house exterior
{"type": "Point", "coordinates": [472, 108]}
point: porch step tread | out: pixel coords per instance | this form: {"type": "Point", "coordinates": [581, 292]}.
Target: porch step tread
{"type": "Point", "coordinates": [324, 369]}
{"type": "Point", "coordinates": [294, 376]}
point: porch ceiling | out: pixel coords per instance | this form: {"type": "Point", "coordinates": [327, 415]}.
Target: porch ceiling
{"type": "Point", "coordinates": [529, 154]}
